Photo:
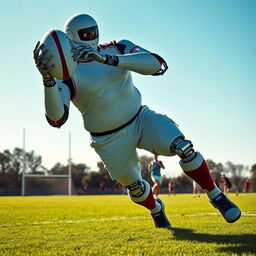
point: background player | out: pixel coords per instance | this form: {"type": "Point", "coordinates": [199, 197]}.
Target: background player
{"type": "Point", "coordinates": [246, 185]}
{"type": "Point", "coordinates": [103, 91]}
{"type": "Point", "coordinates": [171, 187]}
{"type": "Point", "coordinates": [155, 168]}
{"type": "Point", "coordinates": [226, 183]}
{"type": "Point", "coordinates": [196, 189]}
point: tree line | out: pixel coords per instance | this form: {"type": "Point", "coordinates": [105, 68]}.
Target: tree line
{"type": "Point", "coordinates": [84, 179]}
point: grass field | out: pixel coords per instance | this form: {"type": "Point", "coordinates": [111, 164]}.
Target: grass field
{"type": "Point", "coordinates": [113, 225]}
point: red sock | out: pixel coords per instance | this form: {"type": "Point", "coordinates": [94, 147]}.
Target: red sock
{"type": "Point", "coordinates": [149, 202]}
{"type": "Point", "coordinates": [198, 170]}
{"type": "Point", "coordinates": [202, 176]}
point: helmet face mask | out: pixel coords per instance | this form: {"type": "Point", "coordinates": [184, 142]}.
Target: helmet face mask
{"type": "Point", "coordinates": [83, 28]}
{"type": "Point", "coordinates": [88, 34]}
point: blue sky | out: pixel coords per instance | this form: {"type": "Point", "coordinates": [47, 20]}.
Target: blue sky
{"type": "Point", "coordinates": [209, 89]}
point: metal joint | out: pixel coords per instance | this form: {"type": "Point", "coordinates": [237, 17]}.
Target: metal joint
{"type": "Point", "coordinates": [183, 148]}
{"type": "Point", "coordinates": [137, 188]}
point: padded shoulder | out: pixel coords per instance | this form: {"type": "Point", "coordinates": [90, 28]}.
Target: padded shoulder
{"type": "Point", "coordinates": [123, 46]}
{"type": "Point", "coordinates": [130, 47]}
{"type": "Point", "coordinates": [119, 47]}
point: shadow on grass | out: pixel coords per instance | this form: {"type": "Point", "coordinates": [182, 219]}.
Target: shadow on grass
{"type": "Point", "coordinates": [239, 244]}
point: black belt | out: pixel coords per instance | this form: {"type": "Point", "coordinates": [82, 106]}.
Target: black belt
{"type": "Point", "coordinates": [116, 129]}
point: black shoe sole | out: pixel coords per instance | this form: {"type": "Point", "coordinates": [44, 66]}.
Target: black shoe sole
{"type": "Point", "coordinates": [168, 225]}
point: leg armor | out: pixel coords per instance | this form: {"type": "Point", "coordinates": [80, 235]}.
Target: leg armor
{"type": "Point", "coordinates": [137, 189]}
{"type": "Point", "coordinates": [141, 193]}
{"type": "Point", "coordinates": [183, 148]}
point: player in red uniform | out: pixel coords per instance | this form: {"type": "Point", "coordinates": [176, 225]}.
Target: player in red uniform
{"type": "Point", "coordinates": [171, 187]}
{"type": "Point", "coordinates": [227, 183]}
{"type": "Point", "coordinates": [103, 91]}
{"type": "Point", "coordinates": [246, 185]}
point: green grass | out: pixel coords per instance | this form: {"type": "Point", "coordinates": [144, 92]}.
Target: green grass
{"type": "Point", "coordinates": [113, 225]}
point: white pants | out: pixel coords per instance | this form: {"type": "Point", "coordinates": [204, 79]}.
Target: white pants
{"type": "Point", "coordinates": [150, 131]}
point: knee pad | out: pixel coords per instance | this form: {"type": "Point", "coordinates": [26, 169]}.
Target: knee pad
{"type": "Point", "coordinates": [139, 190]}
{"type": "Point", "coordinates": [183, 148]}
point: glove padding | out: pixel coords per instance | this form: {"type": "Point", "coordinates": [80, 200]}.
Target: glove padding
{"type": "Point", "coordinates": [41, 60]}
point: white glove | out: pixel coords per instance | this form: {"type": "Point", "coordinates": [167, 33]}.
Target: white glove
{"type": "Point", "coordinates": [84, 52]}
{"type": "Point", "coordinates": [41, 61]}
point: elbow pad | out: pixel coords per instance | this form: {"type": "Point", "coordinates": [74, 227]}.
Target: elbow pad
{"type": "Point", "coordinates": [163, 65]}
{"type": "Point", "coordinates": [61, 121]}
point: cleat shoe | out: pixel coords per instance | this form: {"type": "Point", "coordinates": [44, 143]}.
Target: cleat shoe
{"type": "Point", "coordinates": [160, 218]}
{"type": "Point", "coordinates": [228, 209]}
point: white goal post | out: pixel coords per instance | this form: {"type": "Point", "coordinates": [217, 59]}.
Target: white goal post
{"type": "Point", "coordinates": [59, 184]}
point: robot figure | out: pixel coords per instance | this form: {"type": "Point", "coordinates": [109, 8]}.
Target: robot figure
{"type": "Point", "coordinates": [102, 89]}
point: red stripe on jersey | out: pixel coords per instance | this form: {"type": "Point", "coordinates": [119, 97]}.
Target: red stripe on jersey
{"type": "Point", "coordinates": [61, 121]}
{"type": "Point", "coordinates": [134, 48]}
{"type": "Point", "coordinates": [56, 123]}
{"type": "Point", "coordinates": [61, 54]}
{"type": "Point", "coordinates": [71, 85]}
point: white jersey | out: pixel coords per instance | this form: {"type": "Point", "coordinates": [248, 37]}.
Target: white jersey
{"type": "Point", "coordinates": [105, 95]}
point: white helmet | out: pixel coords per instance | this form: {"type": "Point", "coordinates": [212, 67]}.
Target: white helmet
{"type": "Point", "coordinates": [82, 28]}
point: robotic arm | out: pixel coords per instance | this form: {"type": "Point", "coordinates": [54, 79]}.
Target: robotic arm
{"type": "Point", "coordinates": [56, 101]}
{"type": "Point", "coordinates": [135, 59]}
{"type": "Point", "coordinates": [57, 97]}
{"type": "Point", "coordinates": [143, 62]}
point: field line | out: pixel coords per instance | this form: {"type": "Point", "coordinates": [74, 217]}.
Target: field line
{"type": "Point", "coordinates": [71, 221]}
{"type": "Point", "coordinates": [249, 214]}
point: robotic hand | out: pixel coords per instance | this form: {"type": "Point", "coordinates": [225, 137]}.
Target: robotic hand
{"type": "Point", "coordinates": [84, 52]}
{"type": "Point", "coordinates": [41, 61]}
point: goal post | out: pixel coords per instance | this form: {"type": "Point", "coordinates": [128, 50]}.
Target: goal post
{"type": "Point", "coordinates": [38, 184]}
{"type": "Point", "coordinates": [69, 165]}
{"type": "Point", "coordinates": [46, 184]}
{"type": "Point", "coordinates": [24, 163]}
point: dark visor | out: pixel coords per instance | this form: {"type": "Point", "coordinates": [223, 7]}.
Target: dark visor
{"type": "Point", "coordinates": [87, 34]}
